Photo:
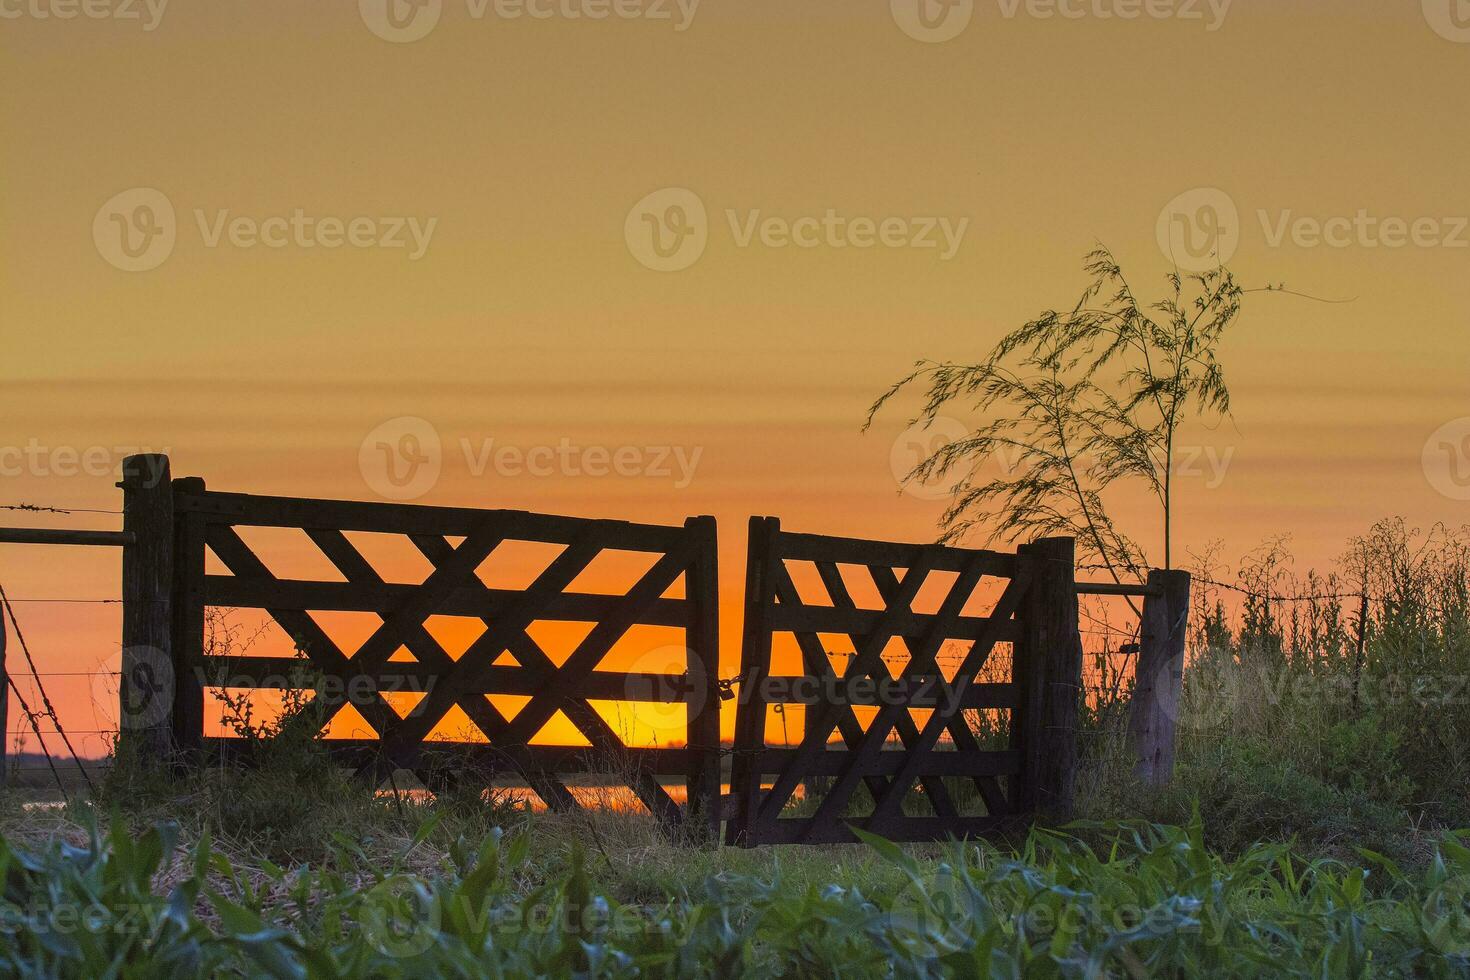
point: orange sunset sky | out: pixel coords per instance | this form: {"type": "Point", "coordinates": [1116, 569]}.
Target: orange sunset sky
{"type": "Point", "coordinates": [530, 317]}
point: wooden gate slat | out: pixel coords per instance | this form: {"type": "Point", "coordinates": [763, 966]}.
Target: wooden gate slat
{"type": "Point", "coordinates": [869, 655]}
{"type": "Point", "coordinates": [596, 644]}
{"type": "Point", "coordinates": [410, 614]}
{"type": "Point", "coordinates": [959, 731]}
{"type": "Point", "coordinates": [920, 660]}
{"type": "Point", "coordinates": [934, 788]}
{"type": "Point", "coordinates": [313, 641]}
{"type": "Point", "coordinates": [852, 731]}
{"type": "Point", "coordinates": [1008, 603]}
{"type": "Point", "coordinates": [496, 638]}
{"type": "Point", "coordinates": [898, 571]}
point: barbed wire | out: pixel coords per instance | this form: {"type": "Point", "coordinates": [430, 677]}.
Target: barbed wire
{"type": "Point", "coordinates": [43, 509]}
{"type": "Point", "coordinates": [41, 691]}
{"type": "Point", "coordinates": [74, 673]}
{"type": "Point", "coordinates": [1282, 597]}
{"type": "Point", "coordinates": [100, 602]}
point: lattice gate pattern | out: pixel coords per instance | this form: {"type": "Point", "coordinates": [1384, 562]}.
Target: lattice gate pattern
{"type": "Point", "coordinates": [401, 653]}
{"type": "Point", "coordinates": [893, 706]}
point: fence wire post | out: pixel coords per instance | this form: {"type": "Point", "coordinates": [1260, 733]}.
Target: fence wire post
{"type": "Point", "coordinates": [1159, 680]}
{"type": "Point", "coordinates": [1048, 668]}
{"type": "Point", "coordinates": [701, 583]}
{"type": "Point", "coordinates": [147, 682]}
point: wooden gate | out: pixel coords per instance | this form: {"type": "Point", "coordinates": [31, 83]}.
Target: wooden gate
{"type": "Point", "coordinates": [456, 542]}
{"type": "Point", "coordinates": [861, 773]}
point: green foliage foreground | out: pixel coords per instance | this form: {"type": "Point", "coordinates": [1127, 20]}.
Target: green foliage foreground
{"type": "Point", "coordinates": [1149, 900]}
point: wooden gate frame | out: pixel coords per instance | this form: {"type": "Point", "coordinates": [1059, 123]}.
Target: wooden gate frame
{"type": "Point", "coordinates": [1037, 613]}
{"type": "Point", "coordinates": [197, 519]}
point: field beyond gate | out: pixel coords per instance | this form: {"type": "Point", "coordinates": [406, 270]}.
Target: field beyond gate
{"type": "Point", "coordinates": [456, 542]}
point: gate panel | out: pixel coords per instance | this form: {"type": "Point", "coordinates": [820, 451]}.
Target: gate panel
{"type": "Point", "coordinates": [894, 710]}
{"type": "Point", "coordinates": [402, 655]}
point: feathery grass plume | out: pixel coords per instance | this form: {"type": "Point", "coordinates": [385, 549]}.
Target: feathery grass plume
{"type": "Point", "coordinates": [1082, 400]}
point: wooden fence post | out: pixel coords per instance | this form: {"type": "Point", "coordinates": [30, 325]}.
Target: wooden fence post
{"type": "Point", "coordinates": [188, 623]}
{"type": "Point", "coordinates": [1159, 679]}
{"type": "Point", "coordinates": [1048, 669]}
{"type": "Point", "coordinates": [146, 684]}
{"type": "Point", "coordinates": [703, 591]}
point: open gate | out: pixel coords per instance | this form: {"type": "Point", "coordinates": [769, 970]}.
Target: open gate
{"type": "Point", "coordinates": [869, 732]}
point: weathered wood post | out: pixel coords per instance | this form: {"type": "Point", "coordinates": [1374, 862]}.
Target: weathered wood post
{"type": "Point", "coordinates": [146, 684]}
{"type": "Point", "coordinates": [188, 616]}
{"type": "Point", "coordinates": [703, 669]}
{"type": "Point", "coordinates": [1048, 671]}
{"type": "Point", "coordinates": [1159, 680]}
